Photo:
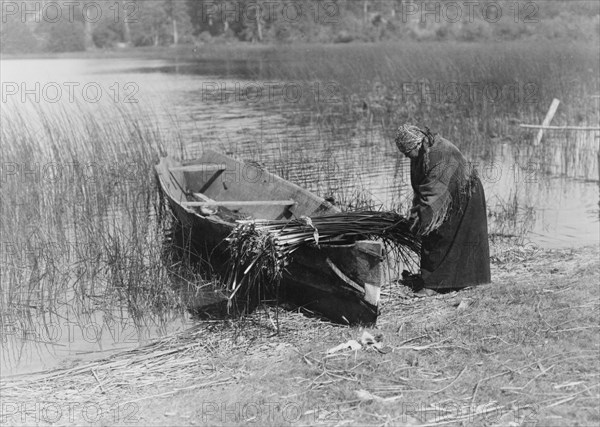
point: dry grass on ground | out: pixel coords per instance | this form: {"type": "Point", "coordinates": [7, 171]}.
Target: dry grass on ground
{"type": "Point", "coordinates": [521, 351]}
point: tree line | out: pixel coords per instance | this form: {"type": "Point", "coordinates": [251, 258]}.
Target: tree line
{"type": "Point", "coordinates": [57, 26]}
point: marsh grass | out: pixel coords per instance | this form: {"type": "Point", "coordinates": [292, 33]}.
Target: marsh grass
{"type": "Point", "coordinates": [382, 72]}
{"type": "Point", "coordinates": [79, 229]}
{"type": "Point", "coordinates": [510, 219]}
{"type": "Point", "coordinates": [474, 94]}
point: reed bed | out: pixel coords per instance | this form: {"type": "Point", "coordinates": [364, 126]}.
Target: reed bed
{"type": "Point", "coordinates": [260, 250]}
{"type": "Point", "coordinates": [474, 94]}
{"type": "Point", "coordinates": [78, 204]}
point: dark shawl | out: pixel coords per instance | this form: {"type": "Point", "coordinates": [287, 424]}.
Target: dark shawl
{"type": "Point", "coordinates": [450, 204]}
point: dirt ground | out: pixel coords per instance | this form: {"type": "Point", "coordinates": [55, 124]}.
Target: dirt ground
{"type": "Point", "coordinates": [520, 351]}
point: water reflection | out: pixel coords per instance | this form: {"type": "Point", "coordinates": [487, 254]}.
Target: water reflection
{"type": "Point", "coordinates": [231, 68]}
{"type": "Point", "coordinates": [34, 340]}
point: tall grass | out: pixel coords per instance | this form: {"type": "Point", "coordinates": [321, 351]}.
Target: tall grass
{"type": "Point", "coordinates": [378, 81]}
{"type": "Point", "coordinates": [79, 230]}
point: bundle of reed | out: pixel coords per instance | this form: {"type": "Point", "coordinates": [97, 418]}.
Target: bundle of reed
{"type": "Point", "coordinates": [261, 249]}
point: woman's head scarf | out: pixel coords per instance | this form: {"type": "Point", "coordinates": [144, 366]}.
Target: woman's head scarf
{"type": "Point", "coordinates": [408, 137]}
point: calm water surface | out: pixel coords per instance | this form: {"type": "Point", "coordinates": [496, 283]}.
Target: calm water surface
{"type": "Point", "coordinates": [216, 105]}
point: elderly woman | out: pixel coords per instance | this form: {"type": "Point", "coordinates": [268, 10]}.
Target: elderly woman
{"type": "Point", "coordinates": [448, 211]}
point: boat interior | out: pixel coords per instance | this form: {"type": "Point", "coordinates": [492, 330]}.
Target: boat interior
{"type": "Point", "coordinates": [216, 184]}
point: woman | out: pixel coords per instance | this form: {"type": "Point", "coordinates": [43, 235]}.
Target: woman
{"type": "Point", "coordinates": [448, 211]}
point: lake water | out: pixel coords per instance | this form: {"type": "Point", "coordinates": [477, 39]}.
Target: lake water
{"type": "Point", "coordinates": [208, 104]}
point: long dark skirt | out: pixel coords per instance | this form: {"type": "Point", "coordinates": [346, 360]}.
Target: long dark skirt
{"type": "Point", "coordinates": [457, 254]}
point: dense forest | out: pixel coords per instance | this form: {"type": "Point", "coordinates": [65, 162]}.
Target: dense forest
{"type": "Point", "coordinates": [60, 26]}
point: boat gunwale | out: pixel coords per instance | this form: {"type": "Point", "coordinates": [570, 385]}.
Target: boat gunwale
{"type": "Point", "coordinates": [332, 208]}
{"type": "Point", "coordinates": [216, 219]}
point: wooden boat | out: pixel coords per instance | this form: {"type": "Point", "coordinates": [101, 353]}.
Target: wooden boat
{"type": "Point", "coordinates": [339, 281]}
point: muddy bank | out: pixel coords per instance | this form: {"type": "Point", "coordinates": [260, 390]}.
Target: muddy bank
{"type": "Point", "coordinates": [522, 349]}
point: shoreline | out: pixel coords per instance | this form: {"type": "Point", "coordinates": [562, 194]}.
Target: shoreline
{"type": "Point", "coordinates": [247, 50]}
{"type": "Point", "coordinates": [540, 308]}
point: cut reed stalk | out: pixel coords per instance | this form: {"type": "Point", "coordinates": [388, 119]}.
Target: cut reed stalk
{"type": "Point", "coordinates": [260, 250]}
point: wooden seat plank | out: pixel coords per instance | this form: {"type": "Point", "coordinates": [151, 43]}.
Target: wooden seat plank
{"type": "Point", "coordinates": [241, 203]}
{"type": "Point", "coordinates": [200, 167]}
{"type": "Point", "coordinates": [203, 197]}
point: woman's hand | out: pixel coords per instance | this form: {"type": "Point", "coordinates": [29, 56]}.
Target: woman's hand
{"type": "Point", "coordinates": [414, 221]}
